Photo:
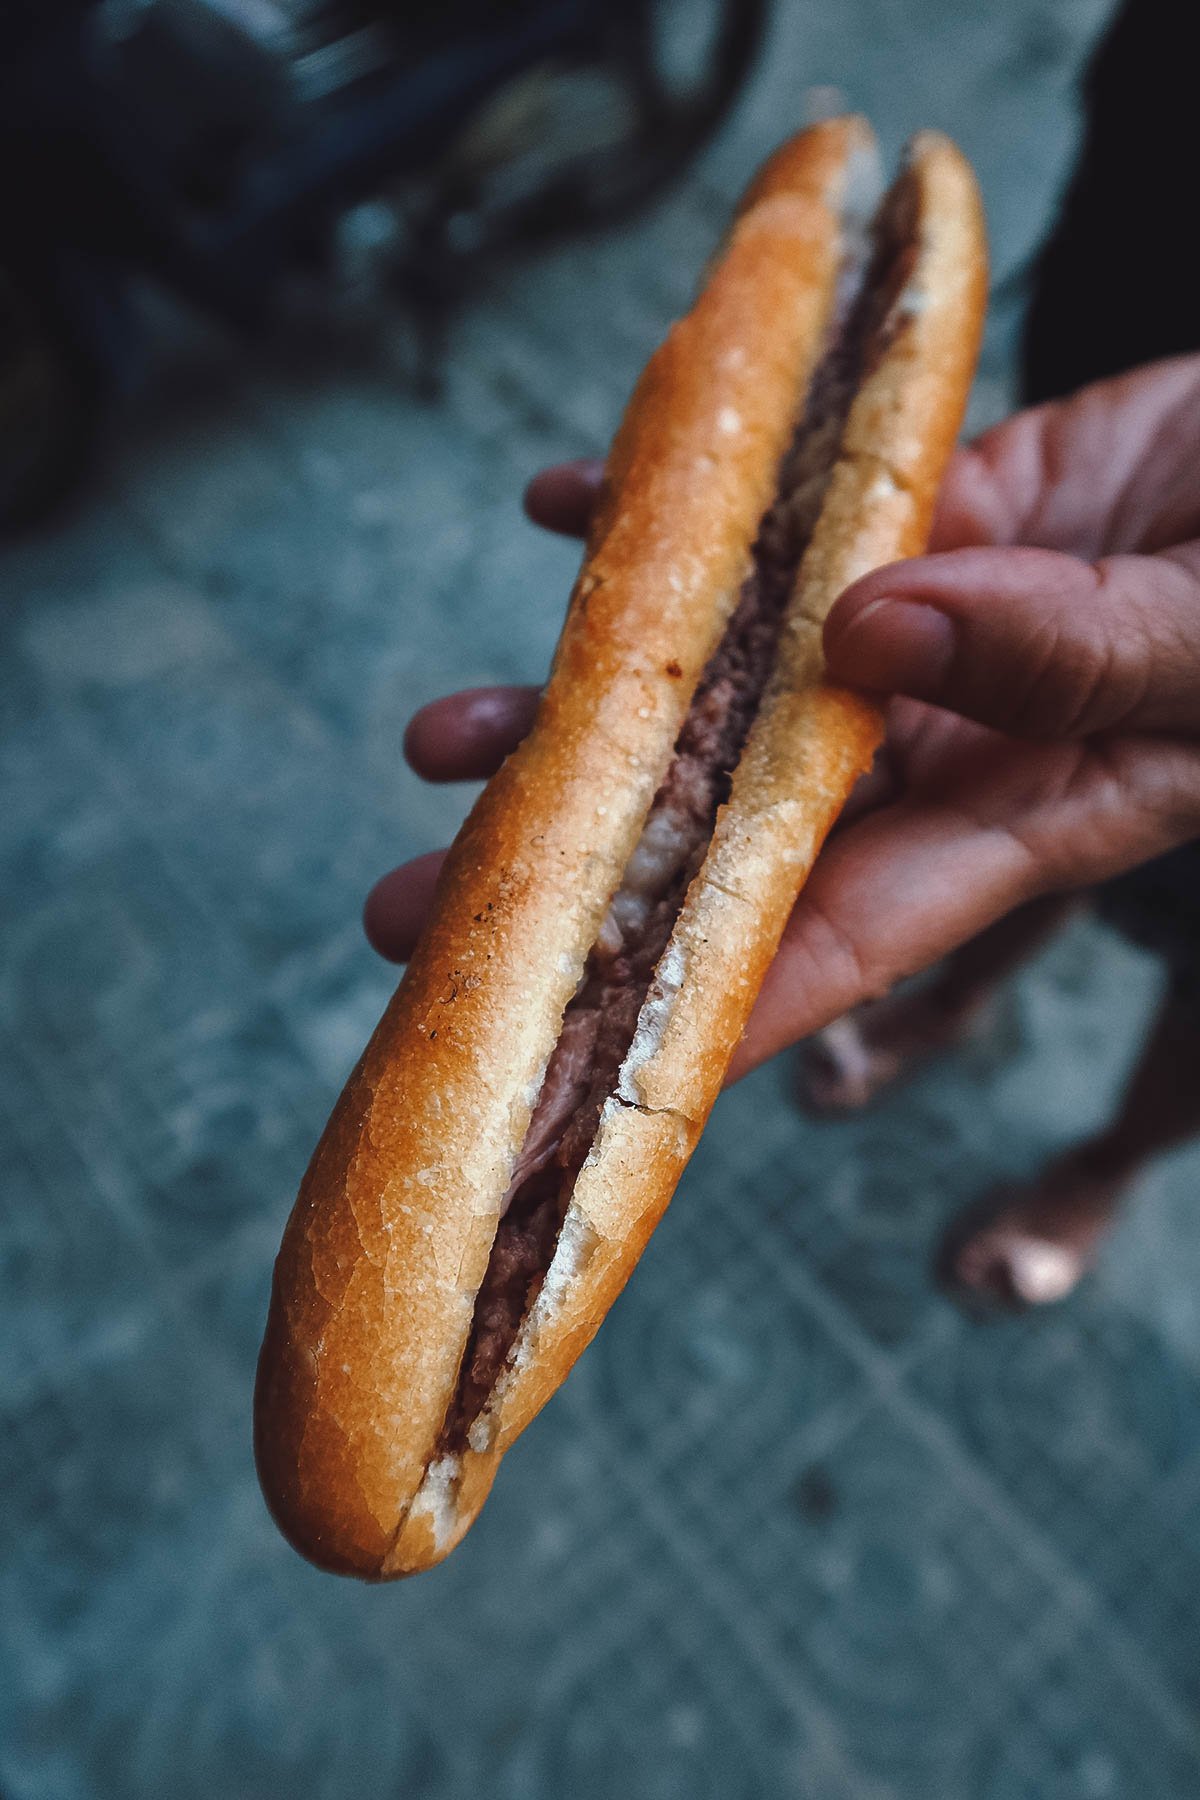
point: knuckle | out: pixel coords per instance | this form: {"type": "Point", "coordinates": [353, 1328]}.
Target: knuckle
{"type": "Point", "coordinates": [1089, 663]}
{"type": "Point", "coordinates": [1062, 681]}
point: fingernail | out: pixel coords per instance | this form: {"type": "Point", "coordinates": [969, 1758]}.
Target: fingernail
{"type": "Point", "coordinates": [895, 646]}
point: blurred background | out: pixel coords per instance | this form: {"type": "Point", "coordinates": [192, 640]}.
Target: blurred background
{"type": "Point", "coordinates": [295, 299]}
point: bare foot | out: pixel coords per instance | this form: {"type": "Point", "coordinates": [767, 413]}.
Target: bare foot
{"type": "Point", "coordinates": [1030, 1245]}
{"type": "Point", "coordinates": [845, 1066]}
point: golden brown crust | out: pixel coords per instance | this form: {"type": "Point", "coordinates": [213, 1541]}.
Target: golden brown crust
{"type": "Point", "coordinates": [808, 746]}
{"type": "Point", "coordinates": [376, 1278]}
{"type": "Point", "coordinates": [381, 1260]}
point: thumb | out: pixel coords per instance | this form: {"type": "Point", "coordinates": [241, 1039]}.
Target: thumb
{"type": "Point", "coordinates": [1032, 642]}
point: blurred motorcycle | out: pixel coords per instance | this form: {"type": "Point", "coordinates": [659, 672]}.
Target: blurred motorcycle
{"type": "Point", "coordinates": [232, 149]}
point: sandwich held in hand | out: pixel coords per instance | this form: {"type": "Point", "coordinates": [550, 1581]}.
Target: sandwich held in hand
{"type": "Point", "coordinates": [524, 1110]}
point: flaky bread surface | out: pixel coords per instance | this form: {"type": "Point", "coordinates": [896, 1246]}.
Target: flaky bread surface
{"type": "Point", "coordinates": [809, 744]}
{"type": "Point", "coordinates": [385, 1250]}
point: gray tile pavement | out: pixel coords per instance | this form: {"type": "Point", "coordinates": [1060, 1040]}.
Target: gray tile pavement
{"type": "Point", "coordinates": [792, 1528]}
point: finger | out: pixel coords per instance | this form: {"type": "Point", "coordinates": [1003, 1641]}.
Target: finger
{"type": "Point", "coordinates": [562, 498]}
{"type": "Point", "coordinates": [466, 736]}
{"type": "Point", "coordinates": [888, 897]}
{"type": "Point", "coordinates": [1109, 469]}
{"type": "Point", "coordinates": [972, 507]}
{"type": "Point", "coordinates": [904, 886]}
{"type": "Point", "coordinates": [397, 906]}
{"type": "Point", "coordinates": [1031, 642]}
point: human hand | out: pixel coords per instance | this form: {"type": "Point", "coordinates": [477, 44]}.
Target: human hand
{"type": "Point", "coordinates": [1045, 729]}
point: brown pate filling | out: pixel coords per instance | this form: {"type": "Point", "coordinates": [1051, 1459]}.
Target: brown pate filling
{"type": "Point", "coordinates": [600, 1021]}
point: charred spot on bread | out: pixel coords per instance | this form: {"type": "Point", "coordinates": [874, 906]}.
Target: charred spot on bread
{"type": "Point", "coordinates": [601, 1020]}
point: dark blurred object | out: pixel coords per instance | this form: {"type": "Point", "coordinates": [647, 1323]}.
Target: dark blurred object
{"type": "Point", "coordinates": [1119, 281]}
{"type": "Point", "coordinates": [1118, 284]}
{"type": "Point", "coordinates": [233, 149]}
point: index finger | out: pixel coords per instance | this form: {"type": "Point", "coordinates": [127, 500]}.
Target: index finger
{"type": "Point", "coordinates": [971, 509]}
{"type": "Point", "coordinates": [561, 498]}
{"type": "Point", "coordinates": [466, 736]}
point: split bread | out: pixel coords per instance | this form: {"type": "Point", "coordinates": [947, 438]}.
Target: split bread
{"type": "Point", "coordinates": [524, 1110]}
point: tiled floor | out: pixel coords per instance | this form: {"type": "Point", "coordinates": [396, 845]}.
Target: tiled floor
{"type": "Point", "coordinates": [793, 1527]}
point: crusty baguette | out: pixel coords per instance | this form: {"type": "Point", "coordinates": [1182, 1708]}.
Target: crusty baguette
{"type": "Point", "coordinates": [385, 1252]}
